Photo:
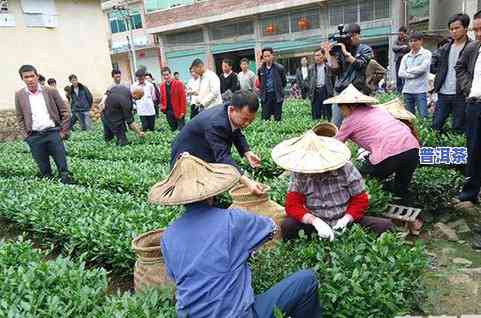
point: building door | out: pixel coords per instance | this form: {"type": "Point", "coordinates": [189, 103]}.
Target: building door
{"type": "Point", "coordinates": [235, 56]}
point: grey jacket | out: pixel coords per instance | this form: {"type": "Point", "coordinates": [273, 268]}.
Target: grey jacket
{"type": "Point", "coordinates": [329, 80]}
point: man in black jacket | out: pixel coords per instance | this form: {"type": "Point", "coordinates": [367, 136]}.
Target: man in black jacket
{"type": "Point", "coordinates": [468, 76]}
{"type": "Point", "coordinates": [229, 83]}
{"type": "Point", "coordinates": [321, 86]}
{"type": "Point", "coordinates": [302, 77]}
{"type": "Point", "coordinates": [349, 66]}
{"type": "Point", "coordinates": [400, 48]}
{"type": "Point", "coordinates": [450, 98]}
{"type": "Point", "coordinates": [211, 134]}
{"type": "Point", "coordinates": [272, 79]}
{"type": "Point", "coordinates": [80, 103]}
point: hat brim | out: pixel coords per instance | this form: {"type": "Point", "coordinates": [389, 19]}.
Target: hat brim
{"type": "Point", "coordinates": [330, 154]}
{"type": "Point", "coordinates": [208, 181]}
{"type": "Point", "coordinates": [349, 100]}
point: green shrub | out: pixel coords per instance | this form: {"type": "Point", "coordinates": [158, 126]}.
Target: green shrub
{"type": "Point", "coordinates": [96, 223]}
{"type": "Point", "coordinates": [434, 187]}
{"type": "Point", "coordinates": [360, 275]}
{"type": "Point", "coordinates": [33, 287]}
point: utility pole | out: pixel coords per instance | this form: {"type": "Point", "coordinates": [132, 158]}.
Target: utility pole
{"type": "Point", "coordinates": [126, 14]}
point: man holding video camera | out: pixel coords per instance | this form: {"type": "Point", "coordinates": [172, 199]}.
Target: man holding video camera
{"type": "Point", "coordinates": [348, 59]}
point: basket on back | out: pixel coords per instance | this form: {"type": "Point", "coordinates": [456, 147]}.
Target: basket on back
{"type": "Point", "coordinates": [149, 269]}
{"type": "Point", "coordinates": [262, 205]}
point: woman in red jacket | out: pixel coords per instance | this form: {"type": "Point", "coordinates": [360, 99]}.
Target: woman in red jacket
{"type": "Point", "coordinates": [326, 192]}
{"type": "Point", "coordinates": [174, 100]}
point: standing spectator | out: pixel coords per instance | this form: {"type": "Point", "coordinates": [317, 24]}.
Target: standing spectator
{"type": "Point", "coordinates": [400, 48]}
{"type": "Point", "coordinates": [468, 76]}
{"type": "Point", "coordinates": [52, 83]}
{"type": "Point", "coordinates": [81, 101]}
{"type": "Point", "coordinates": [118, 112]}
{"type": "Point", "coordinates": [247, 78]}
{"type": "Point", "coordinates": [145, 106]}
{"type": "Point", "coordinates": [115, 86]}
{"type": "Point", "coordinates": [177, 76]}
{"type": "Point", "coordinates": [193, 93]}
{"type": "Point", "coordinates": [415, 70]}
{"type": "Point", "coordinates": [302, 78]}
{"type": "Point", "coordinates": [272, 81]}
{"type": "Point", "coordinates": [209, 86]}
{"type": "Point", "coordinates": [321, 86]}
{"type": "Point", "coordinates": [174, 102]}
{"type": "Point", "coordinates": [229, 83]}
{"type": "Point", "coordinates": [450, 99]}
{"type": "Point", "coordinates": [41, 79]}
{"type": "Point", "coordinates": [43, 119]}
{"type": "Point", "coordinates": [151, 80]}
{"type": "Point", "coordinates": [348, 63]}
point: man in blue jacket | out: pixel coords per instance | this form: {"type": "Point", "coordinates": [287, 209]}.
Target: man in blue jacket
{"type": "Point", "coordinates": [211, 134]}
{"type": "Point", "coordinates": [207, 249]}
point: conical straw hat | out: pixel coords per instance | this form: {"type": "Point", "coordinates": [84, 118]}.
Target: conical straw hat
{"type": "Point", "coordinates": [193, 180]}
{"type": "Point", "coordinates": [397, 109]}
{"type": "Point", "coordinates": [351, 95]}
{"type": "Point", "coordinates": [311, 154]}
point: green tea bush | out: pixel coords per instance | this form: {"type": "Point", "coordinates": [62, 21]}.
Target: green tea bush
{"type": "Point", "coordinates": [33, 287]}
{"type": "Point", "coordinates": [96, 223]}
{"type": "Point", "coordinates": [360, 275]}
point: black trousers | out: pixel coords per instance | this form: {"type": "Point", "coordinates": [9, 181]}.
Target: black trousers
{"type": "Point", "coordinates": [117, 132]}
{"type": "Point", "coordinates": [318, 109]}
{"type": "Point", "coordinates": [472, 183]}
{"type": "Point", "coordinates": [173, 122]}
{"type": "Point", "coordinates": [450, 104]}
{"type": "Point", "coordinates": [148, 122]}
{"type": "Point", "coordinates": [304, 91]}
{"type": "Point", "coordinates": [399, 81]}
{"type": "Point", "coordinates": [44, 145]}
{"type": "Point", "coordinates": [271, 107]}
{"type": "Point", "coordinates": [402, 165]}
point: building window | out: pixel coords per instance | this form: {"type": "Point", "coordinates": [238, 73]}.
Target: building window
{"type": "Point", "coordinates": [359, 11]}
{"type": "Point", "coordinates": [274, 25]}
{"type": "Point", "coordinates": [305, 20]}
{"type": "Point", "coordinates": [189, 37]}
{"type": "Point", "coordinates": [155, 5]}
{"type": "Point", "coordinates": [231, 30]}
{"type": "Point", "coordinates": [118, 24]}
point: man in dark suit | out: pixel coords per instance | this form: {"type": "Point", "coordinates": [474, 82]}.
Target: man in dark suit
{"type": "Point", "coordinates": [43, 119]}
{"type": "Point", "coordinates": [211, 134]}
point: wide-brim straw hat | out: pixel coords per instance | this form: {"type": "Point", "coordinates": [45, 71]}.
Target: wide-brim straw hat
{"type": "Point", "coordinates": [396, 108]}
{"type": "Point", "coordinates": [311, 154]}
{"type": "Point", "coordinates": [193, 180]}
{"type": "Point", "coordinates": [325, 129]}
{"type": "Point", "coordinates": [351, 95]}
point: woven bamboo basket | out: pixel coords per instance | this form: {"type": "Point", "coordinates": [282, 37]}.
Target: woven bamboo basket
{"type": "Point", "coordinates": [149, 271]}
{"type": "Point", "coordinates": [262, 205]}
{"type": "Point", "coordinates": [325, 129]}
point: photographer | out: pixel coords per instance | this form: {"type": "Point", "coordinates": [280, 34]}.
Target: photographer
{"type": "Point", "coordinates": [348, 60]}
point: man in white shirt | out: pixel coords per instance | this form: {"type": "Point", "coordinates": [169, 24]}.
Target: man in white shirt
{"type": "Point", "coordinates": [247, 78]}
{"type": "Point", "coordinates": [302, 78]}
{"type": "Point", "coordinates": [192, 92]}
{"type": "Point", "coordinates": [414, 70]}
{"type": "Point", "coordinates": [43, 119]}
{"type": "Point", "coordinates": [209, 86]}
{"type": "Point", "coordinates": [145, 106]}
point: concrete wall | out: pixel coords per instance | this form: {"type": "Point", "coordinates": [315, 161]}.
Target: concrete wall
{"type": "Point", "coordinates": [78, 45]}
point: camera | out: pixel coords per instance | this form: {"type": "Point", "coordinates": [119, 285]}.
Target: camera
{"type": "Point", "coordinates": [337, 38]}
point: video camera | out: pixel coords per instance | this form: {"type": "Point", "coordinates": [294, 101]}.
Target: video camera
{"type": "Point", "coordinates": [340, 37]}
